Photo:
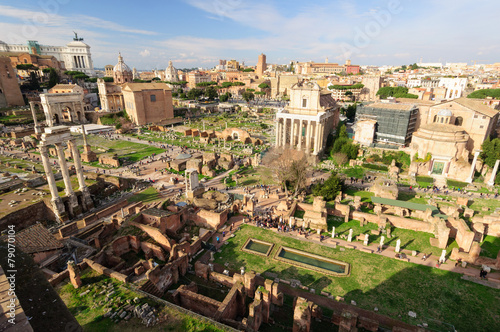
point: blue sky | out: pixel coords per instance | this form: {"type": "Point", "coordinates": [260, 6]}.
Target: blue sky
{"type": "Point", "coordinates": [196, 33]}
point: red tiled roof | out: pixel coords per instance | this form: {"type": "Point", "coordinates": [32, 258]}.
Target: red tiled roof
{"type": "Point", "coordinates": [36, 238]}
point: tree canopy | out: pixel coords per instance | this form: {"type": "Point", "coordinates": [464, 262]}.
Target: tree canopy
{"type": "Point", "coordinates": [201, 84]}
{"type": "Point", "coordinates": [194, 93]}
{"type": "Point", "coordinates": [346, 87]}
{"type": "Point", "coordinates": [248, 70]}
{"type": "Point", "coordinates": [247, 96]}
{"type": "Point", "coordinates": [491, 151]}
{"type": "Point", "coordinates": [396, 92]}
{"type": "Point", "coordinates": [264, 86]}
{"type": "Point", "coordinates": [330, 188]}
{"type": "Point", "coordinates": [211, 92]}
{"type": "Point", "coordinates": [27, 66]}
{"type": "Point", "coordinates": [484, 93]}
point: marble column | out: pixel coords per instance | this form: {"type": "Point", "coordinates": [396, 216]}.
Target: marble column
{"type": "Point", "coordinates": [308, 136]}
{"type": "Point", "coordinates": [293, 137]}
{"type": "Point", "coordinates": [86, 199]}
{"type": "Point", "coordinates": [321, 136]}
{"type": "Point", "coordinates": [283, 142]}
{"type": "Point", "coordinates": [316, 138]}
{"type": "Point", "coordinates": [278, 125]}
{"type": "Point", "coordinates": [73, 201]}
{"type": "Point", "coordinates": [56, 201]}
{"type": "Point", "coordinates": [35, 120]}
{"type": "Point", "coordinates": [473, 168]}
{"type": "Point", "coordinates": [301, 125]}
{"type": "Point", "coordinates": [491, 182]}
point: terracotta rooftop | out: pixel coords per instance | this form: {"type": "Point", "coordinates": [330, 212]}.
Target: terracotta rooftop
{"type": "Point", "coordinates": [145, 86]}
{"type": "Point", "coordinates": [476, 105]}
{"type": "Point", "coordinates": [37, 238]}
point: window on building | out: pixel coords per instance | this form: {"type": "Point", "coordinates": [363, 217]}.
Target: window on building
{"type": "Point", "coordinates": [442, 120]}
{"type": "Point", "coordinates": [304, 102]}
{"type": "Point", "coordinates": [481, 127]}
{"type": "Point", "coordinates": [153, 97]}
{"type": "Point", "coordinates": [475, 116]}
{"type": "Point", "coordinates": [458, 121]}
{"type": "Point", "coordinates": [435, 118]}
{"type": "Point", "coordinates": [484, 116]}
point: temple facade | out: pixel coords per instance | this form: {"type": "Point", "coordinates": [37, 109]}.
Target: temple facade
{"type": "Point", "coordinates": [304, 125]}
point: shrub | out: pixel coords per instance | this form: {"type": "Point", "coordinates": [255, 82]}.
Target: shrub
{"type": "Point", "coordinates": [375, 167]}
{"type": "Point", "coordinates": [340, 158]}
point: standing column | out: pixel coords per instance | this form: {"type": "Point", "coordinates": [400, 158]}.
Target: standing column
{"type": "Point", "coordinates": [491, 182]}
{"type": "Point", "coordinates": [316, 138]}
{"type": "Point", "coordinates": [283, 142]}
{"type": "Point", "coordinates": [35, 120]}
{"type": "Point", "coordinates": [277, 132]}
{"type": "Point", "coordinates": [321, 136]}
{"type": "Point", "coordinates": [300, 134]}
{"type": "Point", "coordinates": [473, 168]}
{"type": "Point", "coordinates": [73, 201]}
{"type": "Point", "coordinates": [308, 136]}
{"type": "Point", "coordinates": [56, 201]}
{"type": "Point", "coordinates": [293, 138]}
{"type": "Point", "coordinates": [86, 199]}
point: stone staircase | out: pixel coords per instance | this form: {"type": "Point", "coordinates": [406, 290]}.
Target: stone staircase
{"type": "Point", "coordinates": [150, 288]}
{"type": "Point", "coordinates": [440, 181]}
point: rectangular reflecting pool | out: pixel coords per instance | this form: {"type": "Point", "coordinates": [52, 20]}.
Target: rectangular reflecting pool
{"type": "Point", "coordinates": [312, 262]}
{"type": "Point", "coordinates": [257, 247]}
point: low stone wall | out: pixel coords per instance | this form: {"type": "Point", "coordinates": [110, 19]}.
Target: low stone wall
{"type": "Point", "coordinates": [196, 302]}
{"type": "Point", "coordinates": [104, 270]}
{"type": "Point", "coordinates": [56, 279]}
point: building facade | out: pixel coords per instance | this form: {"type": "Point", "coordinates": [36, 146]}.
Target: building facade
{"type": "Point", "coordinates": [122, 72]}
{"type": "Point", "coordinates": [171, 73]}
{"type": "Point", "coordinates": [10, 92]}
{"type": "Point", "coordinates": [148, 102]}
{"type": "Point", "coordinates": [261, 65]}
{"type": "Point", "coordinates": [394, 123]}
{"type": "Point", "coordinates": [75, 55]}
{"type": "Point", "coordinates": [305, 123]}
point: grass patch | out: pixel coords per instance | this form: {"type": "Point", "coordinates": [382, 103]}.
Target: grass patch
{"type": "Point", "coordinates": [490, 246]}
{"type": "Point", "coordinates": [355, 172]}
{"type": "Point", "coordinates": [457, 184]}
{"type": "Point", "coordinates": [146, 196]}
{"type": "Point", "coordinates": [395, 287]}
{"type": "Point", "coordinates": [90, 316]}
{"type": "Point", "coordinates": [376, 167]}
{"type": "Point", "coordinates": [425, 181]}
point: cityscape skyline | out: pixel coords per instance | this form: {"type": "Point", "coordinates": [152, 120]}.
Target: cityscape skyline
{"type": "Point", "coordinates": [202, 32]}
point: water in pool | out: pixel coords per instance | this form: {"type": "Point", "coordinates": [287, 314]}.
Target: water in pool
{"type": "Point", "coordinates": [257, 246]}
{"type": "Point", "coordinates": [305, 259]}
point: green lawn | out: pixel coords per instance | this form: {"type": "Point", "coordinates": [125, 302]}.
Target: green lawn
{"type": "Point", "coordinates": [90, 308]}
{"type": "Point", "coordinates": [146, 196]}
{"type": "Point", "coordinates": [425, 181]}
{"type": "Point", "coordinates": [355, 172]}
{"type": "Point", "coordinates": [410, 240]}
{"type": "Point", "coordinates": [490, 246]}
{"type": "Point", "coordinates": [74, 184]}
{"type": "Point", "coordinates": [395, 287]}
{"type": "Point", "coordinates": [365, 195]}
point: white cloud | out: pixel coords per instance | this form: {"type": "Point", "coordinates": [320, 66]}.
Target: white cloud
{"type": "Point", "coordinates": [145, 53]}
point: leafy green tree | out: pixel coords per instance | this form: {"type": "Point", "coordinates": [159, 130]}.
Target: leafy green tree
{"type": "Point", "coordinates": [343, 132]}
{"type": "Point", "coordinates": [264, 86]}
{"type": "Point", "coordinates": [330, 188]}
{"type": "Point", "coordinates": [396, 92]}
{"type": "Point", "coordinates": [247, 96]}
{"type": "Point", "coordinates": [226, 84]}
{"type": "Point", "coordinates": [27, 66]}
{"type": "Point", "coordinates": [237, 83]}
{"type": "Point", "coordinates": [491, 151]}
{"type": "Point", "coordinates": [248, 70]}
{"type": "Point", "coordinates": [194, 94]}
{"type": "Point", "coordinates": [53, 78]}
{"type": "Point", "coordinates": [484, 93]}
{"type": "Point", "coordinates": [224, 97]}
{"type": "Point", "coordinates": [211, 92]}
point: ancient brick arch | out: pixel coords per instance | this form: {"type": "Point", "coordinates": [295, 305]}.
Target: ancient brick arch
{"type": "Point", "coordinates": [62, 108]}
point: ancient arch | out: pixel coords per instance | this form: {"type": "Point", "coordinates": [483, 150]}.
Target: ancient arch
{"type": "Point", "coordinates": [63, 107]}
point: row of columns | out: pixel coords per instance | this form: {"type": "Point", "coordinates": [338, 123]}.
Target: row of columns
{"type": "Point", "coordinates": [291, 134]}
{"type": "Point", "coordinates": [79, 61]}
{"type": "Point", "coordinates": [57, 203]}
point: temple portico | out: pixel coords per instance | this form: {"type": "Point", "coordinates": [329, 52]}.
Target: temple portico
{"type": "Point", "coordinates": [304, 125]}
{"type": "Point", "coordinates": [56, 136]}
{"type": "Point", "coordinates": [302, 132]}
